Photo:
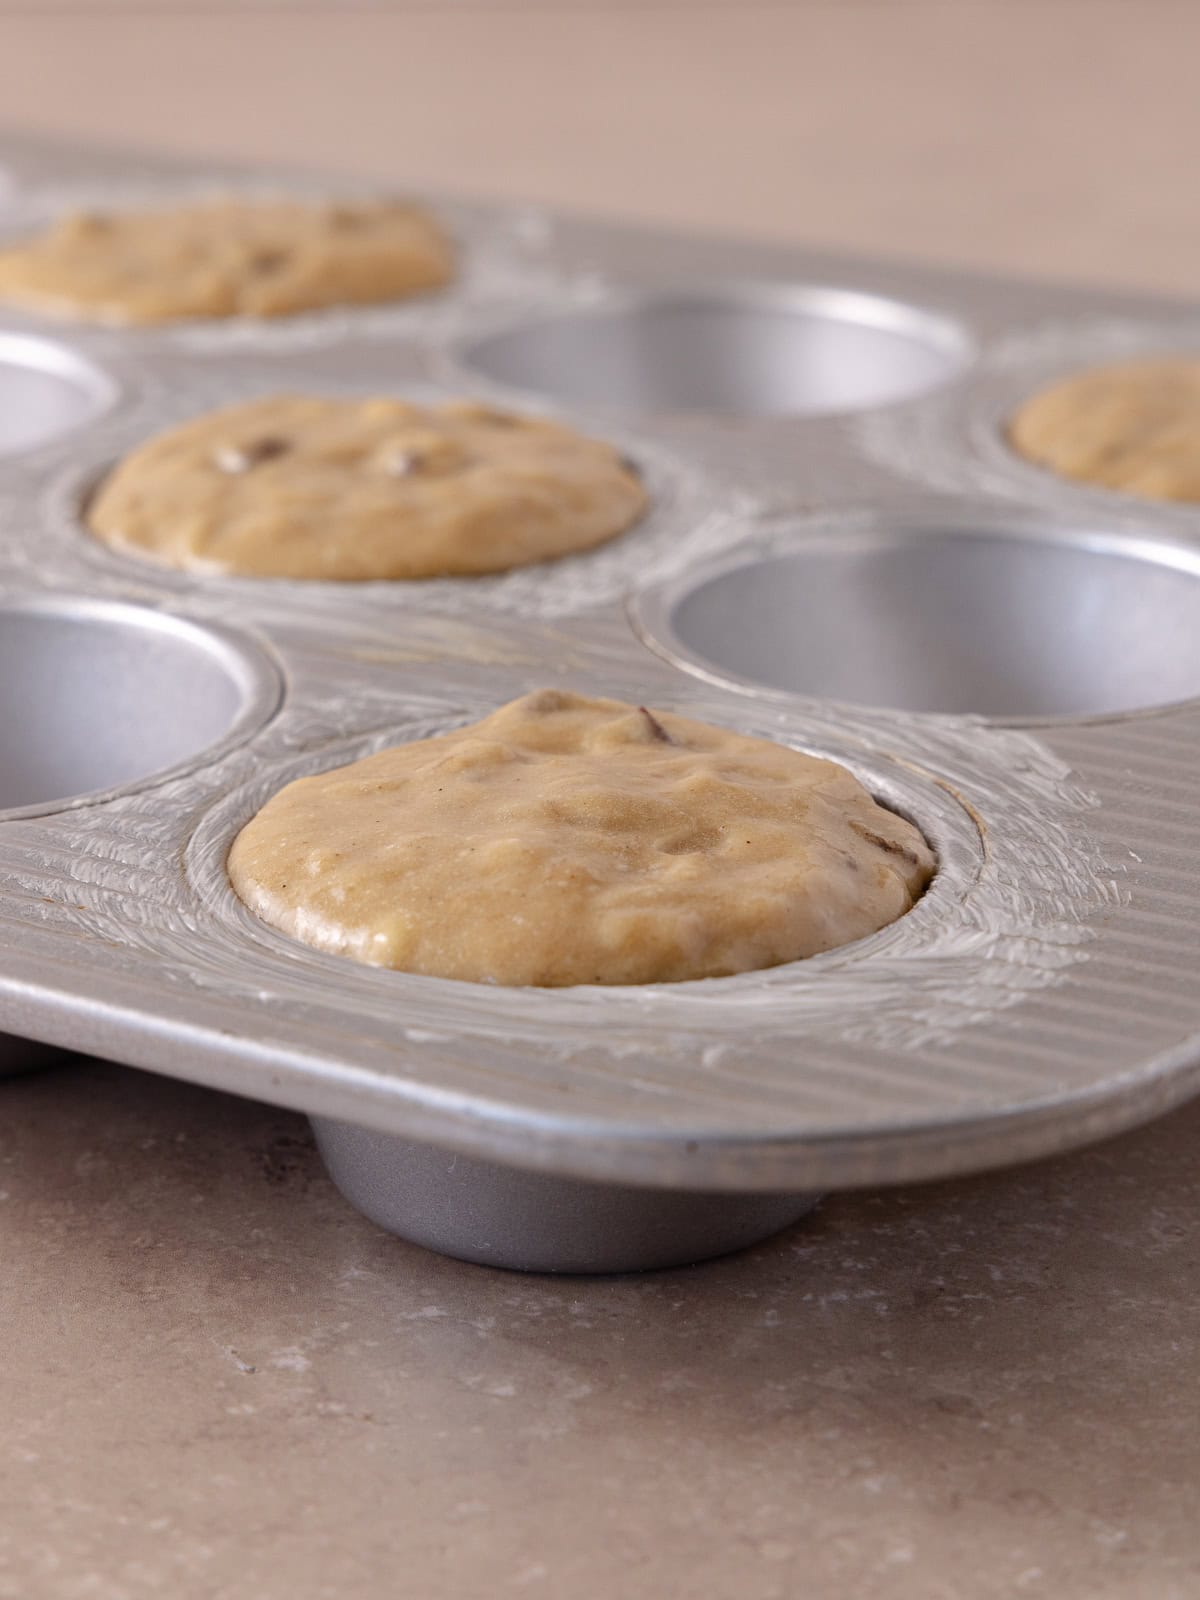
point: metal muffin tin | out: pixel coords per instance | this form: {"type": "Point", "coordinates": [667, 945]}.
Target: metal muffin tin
{"type": "Point", "coordinates": [843, 555]}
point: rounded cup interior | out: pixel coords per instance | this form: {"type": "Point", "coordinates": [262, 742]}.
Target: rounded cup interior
{"type": "Point", "coordinates": [793, 353]}
{"type": "Point", "coordinates": [45, 392]}
{"type": "Point", "coordinates": [988, 623]}
{"type": "Point", "coordinates": [96, 696]}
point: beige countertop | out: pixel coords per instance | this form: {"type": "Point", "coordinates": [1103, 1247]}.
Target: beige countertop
{"type": "Point", "coordinates": [219, 1382]}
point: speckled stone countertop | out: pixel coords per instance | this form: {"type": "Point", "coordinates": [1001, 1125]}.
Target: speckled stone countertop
{"type": "Point", "coordinates": [219, 1382]}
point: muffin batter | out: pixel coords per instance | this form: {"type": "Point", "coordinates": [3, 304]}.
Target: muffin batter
{"type": "Point", "coordinates": [564, 840]}
{"type": "Point", "coordinates": [306, 487]}
{"type": "Point", "coordinates": [227, 258]}
{"type": "Point", "coordinates": [1133, 427]}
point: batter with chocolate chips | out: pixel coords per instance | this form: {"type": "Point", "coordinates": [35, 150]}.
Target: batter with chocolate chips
{"type": "Point", "coordinates": [565, 840]}
{"type": "Point", "coordinates": [299, 486]}
{"type": "Point", "coordinates": [227, 258]}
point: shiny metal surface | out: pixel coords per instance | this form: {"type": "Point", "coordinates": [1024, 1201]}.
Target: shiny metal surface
{"type": "Point", "coordinates": [46, 391]}
{"type": "Point", "coordinates": [1014, 618]}
{"type": "Point", "coordinates": [756, 352]}
{"type": "Point", "coordinates": [97, 695]}
{"type": "Point", "coordinates": [1043, 992]}
{"type": "Point", "coordinates": [501, 1217]}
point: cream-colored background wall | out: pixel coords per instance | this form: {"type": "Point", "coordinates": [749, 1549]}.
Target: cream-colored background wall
{"type": "Point", "coordinates": [1046, 136]}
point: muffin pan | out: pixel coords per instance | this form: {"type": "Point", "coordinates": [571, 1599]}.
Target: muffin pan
{"type": "Point", "coordinates": [752, 352]}
{"type": "Point", "coordinates": [98, 697]}
{"type": "Point", "coordinates": [843, 556]}
{"type": "Point", "coordinates": [1012, 617]}
{"type": "Point", "coordinates": [46, 391]}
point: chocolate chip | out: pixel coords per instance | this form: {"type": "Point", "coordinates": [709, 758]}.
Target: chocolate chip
{"type": "Point", "coordinates": [890, 845]}
{"type": "Point", "coordinates": [268, 261]}
{"type": "Point", "coordinates": [656, 728]}
{"type": "Point", "coordinates": [240, 458]}
{"type": "Point", "coordinates": [439, 459]}
{"type": "Point", "coordinates": [403, 464]}
{"type": "Point", "coordinates": [344, 217]}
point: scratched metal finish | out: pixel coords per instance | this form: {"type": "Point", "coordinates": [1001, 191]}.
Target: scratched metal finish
{"type": "Point", "coordinates": [1041, 994]}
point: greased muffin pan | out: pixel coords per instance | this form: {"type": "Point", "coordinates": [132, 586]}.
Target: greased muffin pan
{"type": "Point", "coordinates": [843, 554]}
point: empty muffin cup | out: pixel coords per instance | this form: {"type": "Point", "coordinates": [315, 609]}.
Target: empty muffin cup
{"type": "Point", "coordinates": [1002, 622]}
{"type": "Point", "coordinates": [97, 695]}
{"type": "Point", "coordinates": [758, 352]}
{"type": "Point", "coordinates": [46, 391]}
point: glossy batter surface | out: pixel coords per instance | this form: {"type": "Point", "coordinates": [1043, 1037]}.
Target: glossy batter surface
{"type": "Point", "coordinates": [1134, 427]}
{"type": "Point", "coordinates": [309, 487]}
{"type": "Point", "coordinates": [227, 258]}
{"type": "Point", "coordinates": [565, 840]}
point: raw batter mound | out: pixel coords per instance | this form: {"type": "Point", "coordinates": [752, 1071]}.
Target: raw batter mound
{"type": "Point", "coordinates": [1133, 427]}
{"type": "Point", "coordinates": [305, 487]}
{"type": "Point", "coordinates": [564, 840]}
{"type": "Point", "coordinates": [227, 258]}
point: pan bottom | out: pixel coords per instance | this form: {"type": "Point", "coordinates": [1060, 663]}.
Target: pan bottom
{"type": "Point", "coordinates": [499, 1216]}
